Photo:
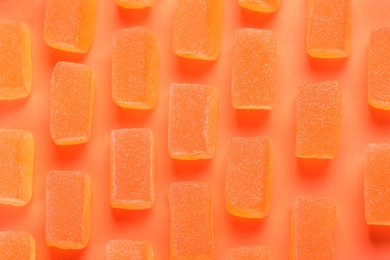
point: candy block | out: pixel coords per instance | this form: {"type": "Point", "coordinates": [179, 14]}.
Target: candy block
{"type": "Point", "coordinates": [70, 25]}
{"type": "Point", "coordinates": [191, 234]}
{"type": "Point", "coordinates": [254, 69]}
{"type": "Point", "coordinates": [192, 122]}
{"type": "Point", "coordinates": [136, 4]}
{"type": "Point", "coordinates": [132, 169]}
{"type": "Point", "coordinates": [16, 166]}
{"type": "Point", "coordinates": [312, 225]}
{"type": "Point", "coordinates": [329, 28]}
{"type": "Point", "coordinates": [265, 6]}
{"type": "Point", "coordinates": [198, 28]}
{"type": "Point", "coordinates": [17, 246]}
{"type": "Point", "coordinates": [249, 253]}
{"type": "Point", "coordinates": [248, 181]}
{"type": "Point", "coordinates": [127, 249]}
{"type": "Point", "coordinates": [318, 120]}
{"type": "Point", "coordinates": [15, 60]}
{"type": "Point", "coordinates": [72, 87]}
{"type": "Point", "coordinates": [135, 68]}
{"type": "Point", "coordinates": [377, 185]}
{"type": "Point", "coordinates": [68, 200]}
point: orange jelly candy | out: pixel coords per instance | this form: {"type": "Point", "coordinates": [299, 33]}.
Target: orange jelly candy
{"type": "Point", "coordinates": [249, 253]}
{"type": "Point", "coordinates": [135, 68]}
{"type": "Point", "coordinates": [136, 4]}
{"type": "Point", "coordinates": [16, 166]}
{"type": "Point", "coordinates": [254, 69]}
{"type": "Point", "coordinates": [248, 180]}
{"type": "Point", "coordinates": [329, 28]}
{"type": "Point", "coordinates": [17, 246]}
{"type": "Point", "coordinates": [192, 235]}
{"type": "Point", "coordinates": [68, 199]}
{"type": "Point", "coordinates": [312, 225]}
{"type": "Point", "coordinates": [15, 60]}
{"type": "Point", "coordinates": [72, 88]}
{"type": "Point", "coordinates": [127, 249]}
{"type": "Point", "coordinates": [265, 6]}
{"type": "Point", "coordinates": [198, 28]}
{"type": "Point", "coordinates": [70, 25]}
{"type": "Point", "coordinates": [318, 120]}
{"type": "Point", "coordinates": [132, 169]}
{"type": "Point", "coordinates": [377, 185]}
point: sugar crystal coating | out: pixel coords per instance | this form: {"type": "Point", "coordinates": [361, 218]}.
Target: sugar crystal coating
{"type": "Point", "coordinates": [329, 28]}
{"type": "Point", "coordinates": [254, 69]}
{"type": "Point", "coordinates": [377, 185]}
{"type": "Point", "coordinates": [249, 253]}
{"type": "Point", "coordinates": [68, 200]}
{"type": "Point", "coordinates": [312, 226]}
{"type": "Point", "coordinates": [15, 60]}
{"type": "Point", "coordinates": [72, 90]}
{"type": "Point", "coordinates": [17, 246]}
{"type": "Point", "coordinates": [265, 6]}
{"type": "Point", "coordinates": [135, 68]}
{"type": "Point", "coordinates": [248, 180]}
{"type": "Point", "coordinates": [318, 120]}
{"type": "Point", "coordinates": [191, 233]}
{"type": "Point", "coordinates": [136, 4]}
{"type": "Point", "coordinates": [132, 169]}
{"type": "Point", "coordinates": [127, 249]}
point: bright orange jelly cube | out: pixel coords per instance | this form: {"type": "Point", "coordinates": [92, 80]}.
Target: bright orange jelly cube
{"type": "Point", "coordinates": [135, 68]}
{"type": "Point", "coordinates": [15, 60]}
{"type": "Point", "coordinates": [17, 246]}
{"type": "Point", "coordinates": [318, 120]}
{"type": "Point", "coordinates": [136, 4]}
{"type": "Point", "coordinates": [329, 28]}
{"type": "Point", "coordinates": [248, 180]}
{"type": "Point", "coordinates": [70, 25]}
{"type": "Point", "coordinates": [127, 249]}
{"type": "Point", "coordinates": [72, 88]}
{"type": "Point", "coordinates": [254, 69]}
{"type": "Point", "coordinates": [249, 253]}
{"type": "Point", "coordinates": [377, 185]}
{"type": "Point", "coordinates": [265, 6]}
{"type": "Point", "coordinates": [132, 169]}
{"type": "Point", "coordinates": [68, 200]}
{"type": "Point", "coordinates": [192, 235]}
{"type": "Point", "coordinates": [312, 225]}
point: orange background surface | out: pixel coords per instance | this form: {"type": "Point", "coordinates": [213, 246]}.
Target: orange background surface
{"type": "Point", "coordinates": [340, 179]}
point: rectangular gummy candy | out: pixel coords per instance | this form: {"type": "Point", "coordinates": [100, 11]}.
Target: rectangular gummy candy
{"type": "Point", "coordinates": [377, 185]}
{"type": "Point", "coordinates": [248, 180]}
{"type": "Point", "coordinates": [249, 253]}
{"type": "Point", "coordinates": [312, 225]}
{"type": "Point", "coordinates": [136, 4]}
{"type": "Point", "coordinates": [379, 69]}
{"type": "Point", "coordinates": [68, 199]}
{"type": "Point", "coordinates": [198, 28]}
{"type": "Point", "coordinates": [127, 249]}
{"type": "Point", "coordinates": [72, 88]}
{"type": "Point", "coordinates": [318, 120]}
{"type": "Point", "coordinates": [17, 246]}
{"type": "Point", "coordinates": [254, 69]}
{"type": "Point", "coordinates": [191, 234]}
{"type": "Point", "coordinates": [192, 122]}
{"type": "Point", "coordinates": [70, 25]}
{"type": "Point", "coordinates": [16, 166]}
{"type": "Point", "coordinates": [329, 28]}
{"type": "Point", "coordinates": [15, 60]}
{"type": "Point", "coordinates": [265, 6]}
{"type": "Point", "coordinates": [132, 169]}
{"type": "Point", "coordinates": [135, 68]}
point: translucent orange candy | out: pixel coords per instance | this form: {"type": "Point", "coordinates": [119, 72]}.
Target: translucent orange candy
{"type": "Point", "coordinates": [312, 225]}
{"type": "Point", "coordinates": [136, 4]}
{"type": "Point", "coordinates": [191, 234]}
{"type": "Point", "coordinates": [127, 249]}
{"type": "Point", "coordinates": [16, 167]}
{"type": "Point", "coordinates": [377, 185]}
{"type": "Point", "coordinates": [265, 6]}
{"type": "Point", "coordinates": [318, 120]}
{"type": "Point", "coordinates": [254, 69]}
{"type": "Point", "coordinates": [132, 169]}
{"type": "Point", "coordinates": [70, 25]}
{"type": "Point", "coordinates": [329, 28]}
{"type": "Point", "coordinates": [68, 200]}
{"type": "Point", "coordinates": [198, 28]}
{"type": "Point", "coordinates": [248, 180]}
{"type": "Point", "coordinates": [72, 88]}
{"type": "Point", "coordinates": [17, 246]}
{"type": "Point", "coordinates": [249, 253]}
{"type": "Point", "coordinates": [15, 60]}
{"type": "Point", "coordinates": [192, 123]}
{"type": "Point", "coordinates": [135, 68]}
